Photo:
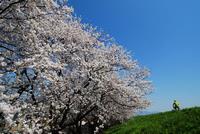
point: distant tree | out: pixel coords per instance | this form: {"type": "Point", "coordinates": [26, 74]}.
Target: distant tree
{"type": "Point", "coordinates": [56, 74]}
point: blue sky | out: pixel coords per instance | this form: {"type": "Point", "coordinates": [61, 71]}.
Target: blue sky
{"type": "Point", "coordinates": [163, 35]}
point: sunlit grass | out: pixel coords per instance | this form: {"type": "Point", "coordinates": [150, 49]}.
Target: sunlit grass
{"type": "Point", "coordinates": [186, 121]}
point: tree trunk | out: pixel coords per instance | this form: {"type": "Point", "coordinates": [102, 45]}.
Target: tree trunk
{"type": "Point", "coordinates": [78, 128]}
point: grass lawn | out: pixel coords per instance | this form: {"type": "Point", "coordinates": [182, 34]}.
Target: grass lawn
{"type": "Point", "coordinates": [186, 121]}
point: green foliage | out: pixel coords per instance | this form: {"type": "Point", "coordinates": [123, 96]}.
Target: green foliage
{"type": "Point", "coordinates": [186, 121]}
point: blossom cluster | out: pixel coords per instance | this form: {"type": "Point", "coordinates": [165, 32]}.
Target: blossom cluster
{"type": "Point", "coordinates": [59, 75]}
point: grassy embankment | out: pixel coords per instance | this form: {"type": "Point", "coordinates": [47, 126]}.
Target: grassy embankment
{"type": "Point", "coordinates": [186, 121]}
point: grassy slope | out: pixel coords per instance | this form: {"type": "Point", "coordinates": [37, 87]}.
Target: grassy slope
{"type": "Point", "coordinates": [186, 121]}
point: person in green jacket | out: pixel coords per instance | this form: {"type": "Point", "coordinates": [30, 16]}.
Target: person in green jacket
{"type": "Point", "coordinates": [176, 105]}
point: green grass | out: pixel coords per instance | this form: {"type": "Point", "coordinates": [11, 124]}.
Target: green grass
{"type": "Point", "coordinates": [186, 121]}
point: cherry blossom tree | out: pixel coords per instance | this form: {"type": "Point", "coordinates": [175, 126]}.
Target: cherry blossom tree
{"type": "Point", "coordinates": [58, 75]}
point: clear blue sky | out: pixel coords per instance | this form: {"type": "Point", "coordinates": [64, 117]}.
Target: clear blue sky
{"type": "Point", "coordinates": [164, 35]}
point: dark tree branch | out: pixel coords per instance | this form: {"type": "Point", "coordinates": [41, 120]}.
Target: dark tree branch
{"type": "Point", "coordinates": [123, 105]}
{"type": "Point", "coordinates": [10, 47]}
{"type": "Point", "coordinates": [10, 5]}
{"type": "Point", "coordinates": [6, 45]}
